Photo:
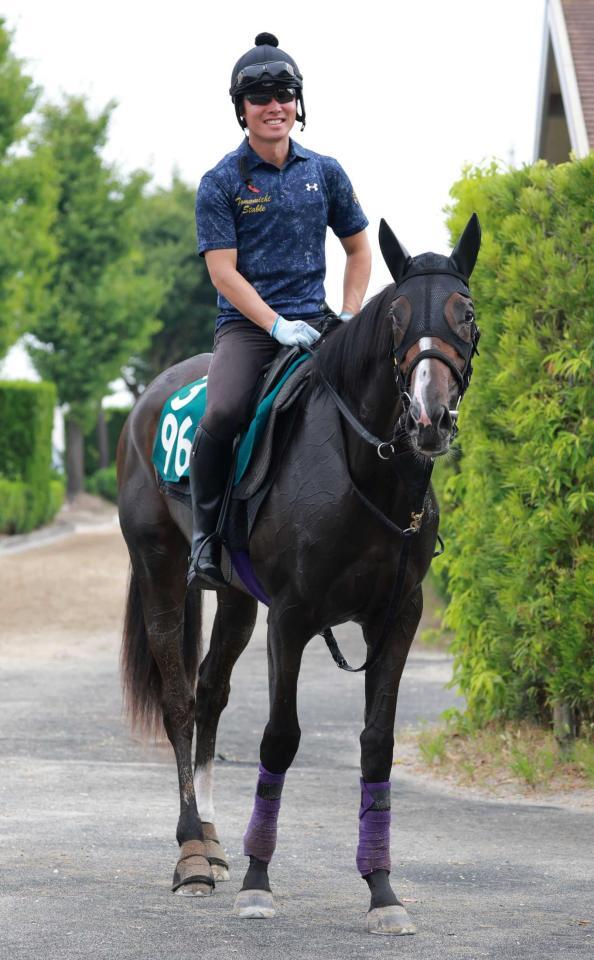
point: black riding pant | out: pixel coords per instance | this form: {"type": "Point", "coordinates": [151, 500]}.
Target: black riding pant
{"type": "Point", "coordinates": [241, 350]}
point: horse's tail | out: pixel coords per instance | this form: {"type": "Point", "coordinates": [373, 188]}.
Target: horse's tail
{"type": "Point", "coordinates": [141, 679]}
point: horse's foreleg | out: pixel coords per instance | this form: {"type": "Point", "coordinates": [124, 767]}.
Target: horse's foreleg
{"type": "Point", "coordinates": [386, 914]}
{"type": "Point", "coordinates": [234, 622]}
{"type": "Point", "coordinates": [161, 576]}
{"type": "Point", "coordinates": [277, 751]}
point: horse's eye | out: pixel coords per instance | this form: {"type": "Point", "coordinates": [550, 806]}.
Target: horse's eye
{"type": "Point", "coordinates": [469, 316]}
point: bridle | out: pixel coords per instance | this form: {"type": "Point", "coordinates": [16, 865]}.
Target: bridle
{"type": "Point", "coordinates": [462, 377]}
{"type": "Point", "coordinates": [386, 449]}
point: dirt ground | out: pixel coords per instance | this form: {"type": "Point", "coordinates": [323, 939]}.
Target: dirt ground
{"type": "Point", "coordinates": [58, 596]}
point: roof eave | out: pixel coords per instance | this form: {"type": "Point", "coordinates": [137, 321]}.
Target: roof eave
{"type": "Point", "coordinates": [567, 78]}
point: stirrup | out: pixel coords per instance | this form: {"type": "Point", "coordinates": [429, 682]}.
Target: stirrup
{"type": "Point", "coordinates": [212, 577]}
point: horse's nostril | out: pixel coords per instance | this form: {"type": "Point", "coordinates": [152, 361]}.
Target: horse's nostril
{"type": "Point", "coordinates": [445, 421]}
{"type": "Point", "coordinates": [414, 412]}
{"type": "Point", "coordinates": [412, 422]}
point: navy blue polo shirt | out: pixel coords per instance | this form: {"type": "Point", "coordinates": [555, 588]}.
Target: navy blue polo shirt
{"type": "Point", "coordinates": [277, 223]}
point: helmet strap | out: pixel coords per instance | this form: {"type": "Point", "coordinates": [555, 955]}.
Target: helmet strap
{"type": "Point", "coordinates": [238, 104]}
{"type": "Point", "coordinates": [300, 116]}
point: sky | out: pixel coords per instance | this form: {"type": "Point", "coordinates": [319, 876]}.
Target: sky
{"type": "Point", "coordinates": [403, 94]}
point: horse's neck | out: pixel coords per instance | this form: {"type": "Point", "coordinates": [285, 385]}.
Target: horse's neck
{"type": "Point", "coordinates": [378, 410]}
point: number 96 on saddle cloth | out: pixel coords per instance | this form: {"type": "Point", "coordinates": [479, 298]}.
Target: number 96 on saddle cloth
{"type": "Point", "coordinates": [180, 417]}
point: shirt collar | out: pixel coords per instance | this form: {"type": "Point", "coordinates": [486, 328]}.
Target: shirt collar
{"type": "Point", "coordinates": [296, 152]}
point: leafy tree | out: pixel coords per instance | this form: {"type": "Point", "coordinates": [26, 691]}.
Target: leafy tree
{"type": "Point", "coordinates": [27, 204]}
{"type": "Point", "coordinates": [101, 303]}
{"type": "Point", "coordinates": [187, 314]}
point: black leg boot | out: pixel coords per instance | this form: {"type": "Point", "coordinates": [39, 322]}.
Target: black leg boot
{"type": "Point", "coordinates": [210, 464]}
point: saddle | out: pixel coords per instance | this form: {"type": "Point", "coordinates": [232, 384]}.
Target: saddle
{"type": "Point", "coordinates": [259, 451]}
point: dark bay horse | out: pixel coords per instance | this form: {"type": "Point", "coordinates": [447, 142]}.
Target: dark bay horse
{"type": "Point", "coordinates": [347, 532]}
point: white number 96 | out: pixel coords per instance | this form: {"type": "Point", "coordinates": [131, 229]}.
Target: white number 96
{"type": "Point", "coordinates": [172, 439]}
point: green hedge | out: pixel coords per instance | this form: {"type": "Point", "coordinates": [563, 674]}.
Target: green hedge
{"type": "Point", "coordinates": [104, 484]}
{"type": "Point", "coordinates": [26, 420]}
{"type": "Point", "coordinates": [518, 508]}
{"type": "Point", "coordinates": [16, 500]}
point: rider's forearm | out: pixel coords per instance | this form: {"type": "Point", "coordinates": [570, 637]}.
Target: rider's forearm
{"type": "Point", "coordinates": [356, 279]}
{"type": "Point", "coordinates": [244, 297]}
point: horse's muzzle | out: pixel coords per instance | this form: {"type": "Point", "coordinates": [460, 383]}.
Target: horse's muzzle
{"type": "Point", "coordinates": [431, 439]}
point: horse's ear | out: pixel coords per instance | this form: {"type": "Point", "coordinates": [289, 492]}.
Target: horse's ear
{"type": "Point", "coordinates": [463, 256]}
{"type": "Point", "coordinates": [395, 255]}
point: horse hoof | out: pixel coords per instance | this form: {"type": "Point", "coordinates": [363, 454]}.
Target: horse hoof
{"type": "Point", "coordinates": [192, 876]}
{"type": "Point", "coordinates": [254, 905]}
{"type": "Point", "coordinates": [391, 921]}
{"type": "Point", "coordinates": [194, 890]}
{"type": "Point", "coordinates": [215, 853]}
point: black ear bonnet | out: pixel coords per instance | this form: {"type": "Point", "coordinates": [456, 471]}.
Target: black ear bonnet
{"type": "Point", "coordinates": [427, 284]}
{"type": "Point", "coordinates": [427, 281]}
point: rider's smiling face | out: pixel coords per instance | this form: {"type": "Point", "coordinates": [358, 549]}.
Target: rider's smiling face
{"type": "Point", "coordinates": [271, 121]}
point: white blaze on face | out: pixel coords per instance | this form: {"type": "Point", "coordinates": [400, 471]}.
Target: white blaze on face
{"type": "Point", "coordinates": [422, 375]}
{"type": "Point", "coordinates": [203, 785]}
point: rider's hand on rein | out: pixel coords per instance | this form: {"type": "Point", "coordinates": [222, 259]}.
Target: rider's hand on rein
{"type": "Point", "coordinates": [293, 333]}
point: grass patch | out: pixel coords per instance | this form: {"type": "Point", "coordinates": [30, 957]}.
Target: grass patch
{"type": "Point", "coordinates": [433, 746]}
{"type": "Point", "coordinates": [524, 755]}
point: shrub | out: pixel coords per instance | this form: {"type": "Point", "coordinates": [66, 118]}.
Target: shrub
{"type": "Point", "coordinates": [26, 420]}
{"type": "Point", "coordinates": [56, 497]}
{"type": "Point", "coordinates": [518, 514]}
{"type": "Point", "coordinates": [104, 484]}
{"type": "Point", "coordinates": [13, 506]}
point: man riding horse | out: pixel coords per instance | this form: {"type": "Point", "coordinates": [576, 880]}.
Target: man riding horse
{"type": "Point", "coordinates": [262, 214]}
{"type": "Point", "coordinates": [346, 528]}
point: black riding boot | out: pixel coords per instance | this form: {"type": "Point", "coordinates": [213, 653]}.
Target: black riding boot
{"type": "Point", "coordinates": [210, 464]}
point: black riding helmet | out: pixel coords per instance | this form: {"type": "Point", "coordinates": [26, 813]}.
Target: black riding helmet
{"type": "Point", "coordinates": [262, 67]}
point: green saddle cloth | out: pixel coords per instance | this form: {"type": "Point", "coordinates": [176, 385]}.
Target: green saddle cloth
{"type": "Point", "coordinates": [181, 414]}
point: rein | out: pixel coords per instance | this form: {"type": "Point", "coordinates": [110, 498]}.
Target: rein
{"type": "Point", "coordinates": [421, 485]}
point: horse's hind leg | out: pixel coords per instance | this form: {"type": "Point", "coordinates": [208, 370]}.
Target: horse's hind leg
{"type": "Point", "coordinates": [387, 914]}
{"type": "Point", "coordinates": [234, 622]}
{"type": "Point", "coordinates": [158, 552]}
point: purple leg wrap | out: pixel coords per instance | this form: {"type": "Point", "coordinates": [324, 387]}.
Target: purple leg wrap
{"type": "Point", "coordinates": [259, 840]}
{"type": "Point", "coordinates": [373, 852]}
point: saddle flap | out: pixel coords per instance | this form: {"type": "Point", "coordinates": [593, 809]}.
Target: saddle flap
{"type": "Point", "coordinates": [274, 372]}
{"type": "Point", "coordinates": [250, 477]}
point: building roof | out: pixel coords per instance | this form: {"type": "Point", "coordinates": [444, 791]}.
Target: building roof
{"type": "Point", "coordinates": [565, 122]}
{"type": "Point", "coordinates": [579, 19]}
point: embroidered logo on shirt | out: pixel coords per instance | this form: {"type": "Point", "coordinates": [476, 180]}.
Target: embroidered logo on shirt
{"type": "Point", "coordinates": [257, 205]}
{"type": "Point", "coordinates": [311, 186]}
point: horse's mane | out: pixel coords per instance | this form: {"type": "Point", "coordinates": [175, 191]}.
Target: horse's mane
{"type": "Point", "coordinates": [348, 354]}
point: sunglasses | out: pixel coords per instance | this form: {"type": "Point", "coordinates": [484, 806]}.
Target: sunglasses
{"type": "Point", "coordinates": [280, 94]}
{"type": "Point", "coordinates": [278, 69]}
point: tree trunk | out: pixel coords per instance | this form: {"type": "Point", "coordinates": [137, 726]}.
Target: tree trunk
{"type": "Point", "coordinates": [102, 440]}
{"type": "Point", "coordinates": [75, 461]}
{"type": "Point", "coordinates": [564, 727]}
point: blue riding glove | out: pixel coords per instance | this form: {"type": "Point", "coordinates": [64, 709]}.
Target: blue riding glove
{"type": "Point", "coordinates": [293, 333]}
{"type": "Point", "coordinates": [345, 316]}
